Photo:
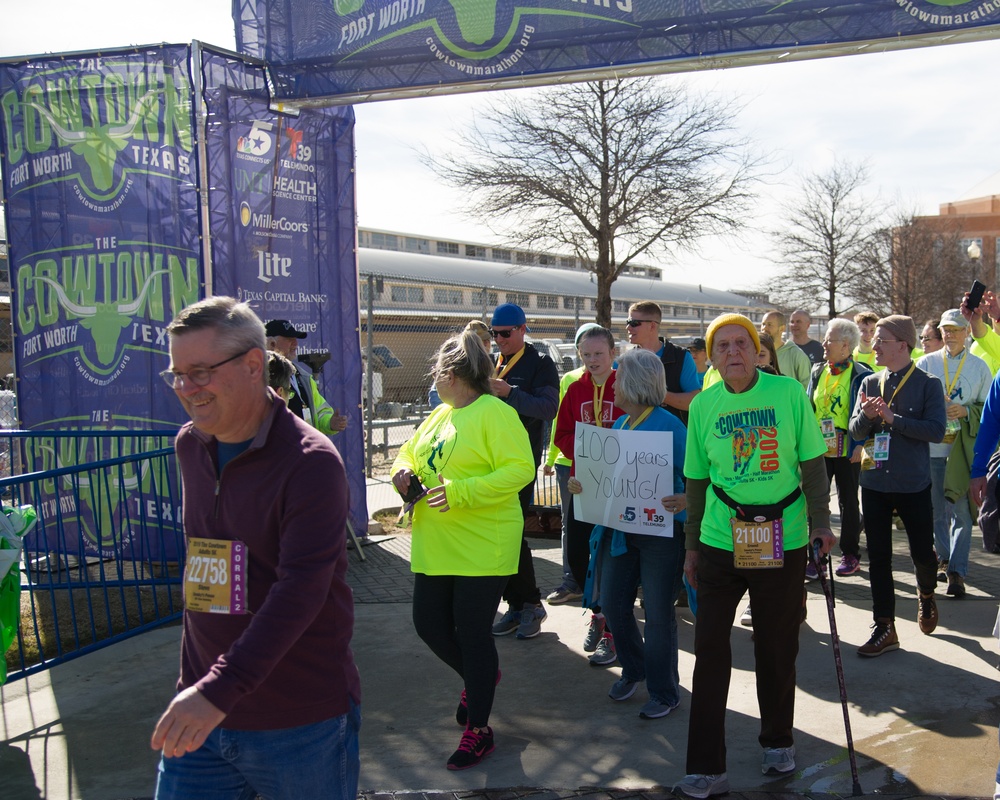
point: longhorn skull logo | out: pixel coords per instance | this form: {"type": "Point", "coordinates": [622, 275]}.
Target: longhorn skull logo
{"type": "Point", "coordinates": [105, 321]}
{"type": "Point", "coordinates": [99, 144]}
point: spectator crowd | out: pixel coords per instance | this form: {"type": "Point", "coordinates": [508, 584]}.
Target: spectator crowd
{"type": "Point", "coordinates": [757, 425]}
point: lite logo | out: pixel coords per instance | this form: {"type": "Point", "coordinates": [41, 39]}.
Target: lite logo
{"type": "Point", "coordinates": [272, 265]}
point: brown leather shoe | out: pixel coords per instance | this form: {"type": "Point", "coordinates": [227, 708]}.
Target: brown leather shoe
{"type": "Point", "coordinates": [927, 614]}
{"type": "Point", "coordinates": [883, 639]}
{"type": "Point", "coordinates": [956, 585]}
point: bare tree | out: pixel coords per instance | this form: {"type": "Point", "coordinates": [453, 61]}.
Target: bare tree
{"type": "Point", "coordinates": [917, 266]}
{"type": "Point", "coordinates": [825, 243]}
{"type": "Point", "coordinates": [609, 170]}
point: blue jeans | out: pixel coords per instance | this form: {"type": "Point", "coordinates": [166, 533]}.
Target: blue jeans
{"type": "Point", "coordinates": [658, 563]}
{"type": "Point", "coordinates": [952, 523]}
{"type": "Point", "coordinates": [319, 760]}
{"type": "Point", "coordinates": [562, 478]}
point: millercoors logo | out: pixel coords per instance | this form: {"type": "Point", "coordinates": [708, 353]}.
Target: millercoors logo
{"type": "Point", "coordinates": [245, 215]}
{"type": "Point", "coordinates": [284, 224]}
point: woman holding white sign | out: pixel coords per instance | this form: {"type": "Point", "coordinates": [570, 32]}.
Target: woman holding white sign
{"type": "Point", "coordinates": [590, 400]}
{"type": "Point", "coordinates": [752, 441]}
{"type": "Point", "coordinates": [654, 559]}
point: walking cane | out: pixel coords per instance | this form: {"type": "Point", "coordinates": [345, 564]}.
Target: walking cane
{"type": "Point", "coordinates": [818, 559]}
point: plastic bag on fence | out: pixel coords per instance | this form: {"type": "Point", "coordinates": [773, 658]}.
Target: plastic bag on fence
{"type": "Point", "coordinates": [14, 524]}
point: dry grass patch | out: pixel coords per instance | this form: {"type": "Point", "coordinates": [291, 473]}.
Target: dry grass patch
{"type": "Point", "coordinates": [59, 621]}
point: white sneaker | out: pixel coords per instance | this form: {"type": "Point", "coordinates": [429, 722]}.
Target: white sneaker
{"type": "Point", "coordinates": [746, 620]}
{"type": "Point", "coordinates": [702, 786]}
{"type": "Point", "coordinates": [778, 759]}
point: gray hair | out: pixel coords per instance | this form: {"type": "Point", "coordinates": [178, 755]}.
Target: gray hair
{"type": "Point", "coordinates": [464, 357]}
{"type": "Point", "coordinates": [843, 330]}
{"type": "Point", "coordinates": [640, 378]}
{"type": "Point", "coordinates": [238, 328]}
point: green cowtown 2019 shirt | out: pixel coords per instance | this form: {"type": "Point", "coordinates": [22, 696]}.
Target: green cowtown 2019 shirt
{"type": "Point", "coordinates": [750, 445]}
{"type": "Point", "coordinates": [483, 453]}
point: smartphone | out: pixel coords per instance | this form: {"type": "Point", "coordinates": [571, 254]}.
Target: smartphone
{"type": "Point", "coordinates": [975, 295]}
{"type": "Point", "coordinates": [415, 491]}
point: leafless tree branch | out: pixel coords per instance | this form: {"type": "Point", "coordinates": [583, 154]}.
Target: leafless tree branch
{"type": "Point", "coordinates": [610, 170]}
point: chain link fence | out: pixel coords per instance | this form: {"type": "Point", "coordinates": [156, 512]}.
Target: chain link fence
{"type": "Point", "coordinates": [404, 321]}
{"type": "Point", "coordinates": [409, 322]}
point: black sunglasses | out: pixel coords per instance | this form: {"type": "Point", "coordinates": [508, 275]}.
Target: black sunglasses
{"type": "Point", "coordinates": [635, 323]}
{"type": "Point", "coordinates": [502, 334]}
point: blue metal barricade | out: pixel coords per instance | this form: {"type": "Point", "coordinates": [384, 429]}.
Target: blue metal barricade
{"type": "Point", "coordinates": [103, 561]}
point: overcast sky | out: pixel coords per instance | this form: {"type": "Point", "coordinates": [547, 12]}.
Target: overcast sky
{"type": "Point", "coordinates": [925, 119]}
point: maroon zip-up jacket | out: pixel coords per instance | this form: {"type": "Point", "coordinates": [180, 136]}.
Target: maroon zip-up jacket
{"type": "Point", "coordinates": [288, 662]}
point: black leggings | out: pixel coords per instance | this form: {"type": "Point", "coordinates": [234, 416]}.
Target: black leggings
{"type": "Point", "coordinates": [453, 615]}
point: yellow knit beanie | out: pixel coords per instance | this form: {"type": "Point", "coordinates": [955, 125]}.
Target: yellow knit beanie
{"type": "Point", "coordinates": [731, 319]}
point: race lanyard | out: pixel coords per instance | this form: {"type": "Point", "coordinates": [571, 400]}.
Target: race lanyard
{"type": "Point", "coordinates": [499, 373]}
{"type": "Point", "coordinates": [629, 425]}
{"type": "Point", "coordinates": [881, 384]}
{"type": "Point", "coordinates": [599, 403]}
{"type": "Point", "coordinates": [949, 387]}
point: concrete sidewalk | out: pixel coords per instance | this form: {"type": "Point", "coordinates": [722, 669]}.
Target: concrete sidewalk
{"type": "Point", "coordinates": [924, 718]}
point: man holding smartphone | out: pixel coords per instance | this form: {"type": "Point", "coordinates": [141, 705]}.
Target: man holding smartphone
{"type": "Point", "coordinates": [966, 381]}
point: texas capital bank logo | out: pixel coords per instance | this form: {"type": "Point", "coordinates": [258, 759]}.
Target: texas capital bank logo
{"type": "Point", "coordinates": [96, 123]}
{"type": "Point", "coordinates": [460, 31]}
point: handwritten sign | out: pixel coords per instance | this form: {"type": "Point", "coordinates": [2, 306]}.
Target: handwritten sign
{"type": "Point", "coordinates": [624, 475]}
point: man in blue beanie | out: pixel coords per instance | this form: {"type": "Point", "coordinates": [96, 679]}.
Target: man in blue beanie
{"type": "Point", "coordinates": [529, 382]}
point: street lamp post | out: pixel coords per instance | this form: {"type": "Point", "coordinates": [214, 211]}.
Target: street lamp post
{"type": "Point", "coordinates": [975, 253]}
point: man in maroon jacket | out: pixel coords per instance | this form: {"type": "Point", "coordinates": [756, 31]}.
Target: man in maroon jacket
{"type": "Point", "coordinates": [268, 698]}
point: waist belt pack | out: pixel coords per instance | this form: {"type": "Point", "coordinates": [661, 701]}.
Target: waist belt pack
{"type": "Point", "coordinates": [746, 512]}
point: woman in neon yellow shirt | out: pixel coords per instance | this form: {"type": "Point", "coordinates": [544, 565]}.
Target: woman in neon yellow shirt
{"type": "Point", "coordinates": [473, 455]}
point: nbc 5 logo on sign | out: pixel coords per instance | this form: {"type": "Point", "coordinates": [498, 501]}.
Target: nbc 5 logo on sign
{"type": "Point", "coordinates": [259, 141]}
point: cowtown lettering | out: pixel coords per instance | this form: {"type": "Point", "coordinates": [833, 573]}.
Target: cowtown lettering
{"type": "Point", "coordinates": [753, 418]}
{"type": "Point", "coordinates": [97, 116]}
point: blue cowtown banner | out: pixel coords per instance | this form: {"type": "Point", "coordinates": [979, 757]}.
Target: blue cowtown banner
{"type": "Point", "coordinates": [353, 49]}
{"type": "Point", "coordinates": [282, 215]}
{"type": "Point", "coordinates": [99, 171]}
